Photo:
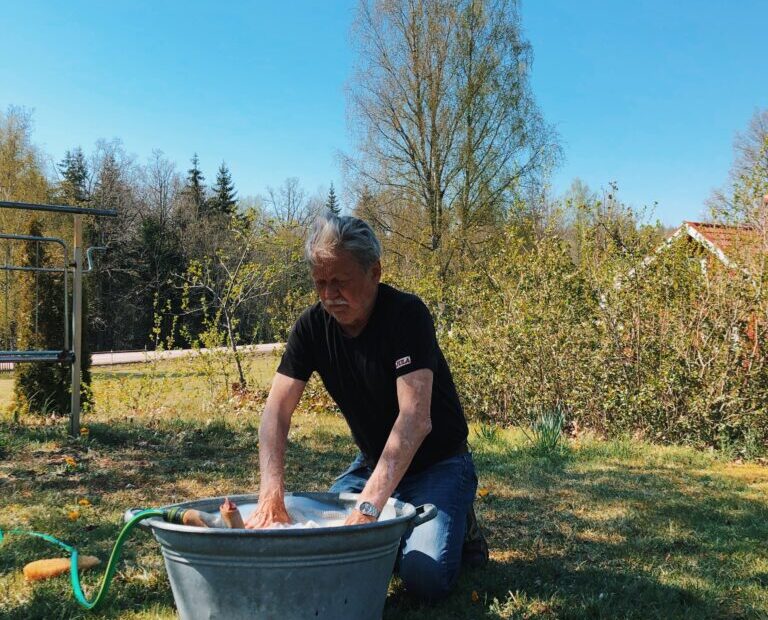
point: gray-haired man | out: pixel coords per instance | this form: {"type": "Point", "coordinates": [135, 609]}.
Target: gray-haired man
{"type": "Point", "coordinates": [375, 350]}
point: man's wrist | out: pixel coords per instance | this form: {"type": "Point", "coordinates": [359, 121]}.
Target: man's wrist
{"type": "Point", "coordinates": [368, 509]}
{"type": "Point", "coordinates": [272, 494]}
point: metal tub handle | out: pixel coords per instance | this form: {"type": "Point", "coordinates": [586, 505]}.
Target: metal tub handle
{"type": "Point", "coordinates": [424, 513]}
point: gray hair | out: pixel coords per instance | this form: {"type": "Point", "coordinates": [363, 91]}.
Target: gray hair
{"type": "Point", "coordinates": [331, 233]}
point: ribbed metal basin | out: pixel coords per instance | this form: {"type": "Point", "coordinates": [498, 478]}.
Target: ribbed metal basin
{"type": "Point", "coordinates": [330, 573]}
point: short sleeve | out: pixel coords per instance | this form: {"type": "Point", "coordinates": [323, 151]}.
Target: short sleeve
{"type": "Point", "coordinates": [298, 358]}
{"type": "Point", "coordinates": [414, 340]}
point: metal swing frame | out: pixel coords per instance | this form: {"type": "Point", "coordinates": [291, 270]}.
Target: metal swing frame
{"type": "Point", "coordinates": [71, 353]}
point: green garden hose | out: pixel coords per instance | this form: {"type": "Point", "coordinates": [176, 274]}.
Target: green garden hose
{"type": "Point", "coordinates": [77, 590]}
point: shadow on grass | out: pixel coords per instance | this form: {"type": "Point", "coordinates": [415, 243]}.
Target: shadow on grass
{"type": "Point", "coordinates": [122, 455]}
{"type": "Point", "coordinates": [580, 536]}
{"type": "Point", "coordinates": [575, 539]}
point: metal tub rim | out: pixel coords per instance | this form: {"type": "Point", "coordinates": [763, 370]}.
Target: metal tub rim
{"type": "Point", "coordinates": [404, 512]}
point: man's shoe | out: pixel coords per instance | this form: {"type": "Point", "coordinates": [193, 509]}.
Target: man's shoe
{"type": "Point", "coordinates": [474, 552]}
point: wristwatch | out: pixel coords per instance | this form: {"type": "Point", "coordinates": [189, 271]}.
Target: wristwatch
{"type": "Point", "coordinates": [368, 509]}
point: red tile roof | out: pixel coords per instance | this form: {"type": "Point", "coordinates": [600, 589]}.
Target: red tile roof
{"type": "Point", "coordinates": [724, 236]}
{"type": "Point", "coordinates": [730, 242]}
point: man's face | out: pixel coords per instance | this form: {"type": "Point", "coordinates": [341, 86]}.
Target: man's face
{"type": "Point", "coordinates": [347, 291]}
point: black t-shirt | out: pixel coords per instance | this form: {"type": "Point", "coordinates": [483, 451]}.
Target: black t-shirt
{"type": "Point", "coordinates": [360, 373]}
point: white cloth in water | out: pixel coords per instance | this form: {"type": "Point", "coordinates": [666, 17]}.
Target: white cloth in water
{"type": "Point", "coordinates": [295, 526]}
{"type": "Point", "coordinates": [305, 512]}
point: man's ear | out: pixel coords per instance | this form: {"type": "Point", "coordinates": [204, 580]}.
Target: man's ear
{"type": "Point", "coordinates": [376, 271]}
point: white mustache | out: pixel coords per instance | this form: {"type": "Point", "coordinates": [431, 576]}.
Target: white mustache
{"type": "Point", "coordinates": [331, 303]}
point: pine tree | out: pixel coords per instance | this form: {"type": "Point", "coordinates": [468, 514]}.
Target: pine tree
{"type": "Point", "coordinates": [195, 188]}
{"type": "Point", "coordinates": [74, 169]}
{"type": "Point", "coordinates": [332, 204]}
{"type": "Point", "coordinates": [224, 200]}
{"type": "Point", "coordinates": [40, 387]}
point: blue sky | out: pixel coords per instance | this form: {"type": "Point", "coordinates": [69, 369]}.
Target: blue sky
{"type": "Point", "coordinates": [648, 93]}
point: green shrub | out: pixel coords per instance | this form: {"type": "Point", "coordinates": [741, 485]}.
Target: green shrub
{"type": "Point", "coordinates": [545, 433]}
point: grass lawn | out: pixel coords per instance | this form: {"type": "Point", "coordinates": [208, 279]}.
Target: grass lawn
{"type": "Point", "coordinates": [6, 390]}
{"type": "Point", "coordinates": [616, 529]}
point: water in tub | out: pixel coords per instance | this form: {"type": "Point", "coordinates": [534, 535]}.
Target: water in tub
{"type": "Point", "coordinates": [306, 512]}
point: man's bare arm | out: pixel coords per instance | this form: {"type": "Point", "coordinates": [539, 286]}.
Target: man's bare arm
{"type": "Point", "coordinates": [413, 424]}
{"type": "Point", "coordinates": [284, 395]}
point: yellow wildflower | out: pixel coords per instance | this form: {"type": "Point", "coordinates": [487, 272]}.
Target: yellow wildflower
{"type": "Point", "coordinates": [70, 461]}
{"type": "Point", "coordinates": [483, 491]}
{"type": "Point", "coordinates": [84, 502]}
{"type": "Point", "coordinates": [73, 515]}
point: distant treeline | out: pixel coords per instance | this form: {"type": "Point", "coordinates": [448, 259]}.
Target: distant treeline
{"type": "Point", "coordinates": [167, 222]}
{"type": "Point", "coordinates": [539, 300]}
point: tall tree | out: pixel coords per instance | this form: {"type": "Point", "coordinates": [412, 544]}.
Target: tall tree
{"type": "Point", "coordinates": [74, 172]}
{"type": "Point", "coordinates": [289, 203]}
{"type": "Point", "coordinates": [224, 199]}
{"type": "Point", "coordinates": [444, 111]}
{"type": "Point", "coordinates": [21, 166]}
{"type": "Point", "coordinates": [42, 387]}
{"type": "Point", "coordinates": [21, 179]}
{"type": "Point", "coordinates": [118, 318]}
{"type": "Point", "coordinates": [195, 188]}
{"type": "Point", "coordinates": [332, 203]}
{"type": "Point", "coordinates": [743, 199]}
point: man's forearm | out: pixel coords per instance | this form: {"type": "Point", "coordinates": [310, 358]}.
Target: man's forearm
{"type": "Point", "coordinates": [273, 438]}
{"type": "Point", "coordinates": [404, 440]}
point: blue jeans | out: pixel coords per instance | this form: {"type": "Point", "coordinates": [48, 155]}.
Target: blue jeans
{"type": "Point", "coordinates": [429, 559]}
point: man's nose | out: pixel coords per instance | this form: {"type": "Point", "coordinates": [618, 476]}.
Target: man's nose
{"type": "Point", "coordinates": [331, 291]}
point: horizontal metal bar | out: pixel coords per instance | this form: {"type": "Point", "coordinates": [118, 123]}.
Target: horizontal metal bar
{"type": "Point", "coordinates": [36, 356]}
{"type": "Point", "coordinates": [28, 206]}
{"type": "Point", "coordinates": [43, 269]}
{"type": "Point", "coordinates": [14, 237]}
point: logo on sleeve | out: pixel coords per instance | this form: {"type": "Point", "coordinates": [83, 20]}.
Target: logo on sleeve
{"type": "Point", "coordinates": [403, 361]}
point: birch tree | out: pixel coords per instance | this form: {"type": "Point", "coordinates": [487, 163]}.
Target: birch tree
{"type": "Point", "coordinates": [447, 129]}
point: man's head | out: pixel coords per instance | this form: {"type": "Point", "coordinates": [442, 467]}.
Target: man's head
{"type": "Point", "coordinates": [344, 256]}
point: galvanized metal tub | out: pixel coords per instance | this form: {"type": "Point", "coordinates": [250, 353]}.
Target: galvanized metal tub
{"type": "Point", "coordinates": [330, 573]}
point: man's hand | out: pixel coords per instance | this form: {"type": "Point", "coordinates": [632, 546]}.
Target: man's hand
{"type": "Point", "coordinates": [268, 512]}
{"type": "Point", "coordinates": [356, 518]}
{"type": "Point", "coordinates": [283, 397]}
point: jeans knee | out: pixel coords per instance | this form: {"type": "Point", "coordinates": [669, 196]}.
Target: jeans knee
{"type": "Point", "coordinates": [425, 578]}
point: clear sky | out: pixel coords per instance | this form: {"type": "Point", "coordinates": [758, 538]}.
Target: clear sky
{"type": "Point", "coordinates": [648, 93]}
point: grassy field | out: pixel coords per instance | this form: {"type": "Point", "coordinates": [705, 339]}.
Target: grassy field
{"type": "Point", "coordinates": [6, 390]}
{"type": "Point", "coordinates": [616, 529]}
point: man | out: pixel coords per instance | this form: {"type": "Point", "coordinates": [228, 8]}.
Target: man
{"type": "Point", "coordinates": [375, 349]}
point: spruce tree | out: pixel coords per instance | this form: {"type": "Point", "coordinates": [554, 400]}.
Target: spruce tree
{"type": "Point", "coordinates": [332, 204]}
{"type": "Point", "coordinates": [224, 198]}
{"type": "Point", "coordinates": [74, 169]}
{"type": "Point", "coordinates": [195, 188]}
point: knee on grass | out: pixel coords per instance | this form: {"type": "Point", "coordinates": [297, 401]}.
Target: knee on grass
{"type": "Point", "coordinates": [425, 578]}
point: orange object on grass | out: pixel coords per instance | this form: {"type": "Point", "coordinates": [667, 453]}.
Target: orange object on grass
{"type": "Point", "coordinates": [44, 569]}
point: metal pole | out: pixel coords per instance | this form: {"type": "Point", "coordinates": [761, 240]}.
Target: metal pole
{"type": "Point", "coordinates": [7, 295]}
{"type": "Point", "coordinates": [37, 287]}
{"type": "Point", "coordinates": [77, 325]}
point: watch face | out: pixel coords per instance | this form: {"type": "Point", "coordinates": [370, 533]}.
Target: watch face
{"type": "Point", "coordinates": [368, 509]}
